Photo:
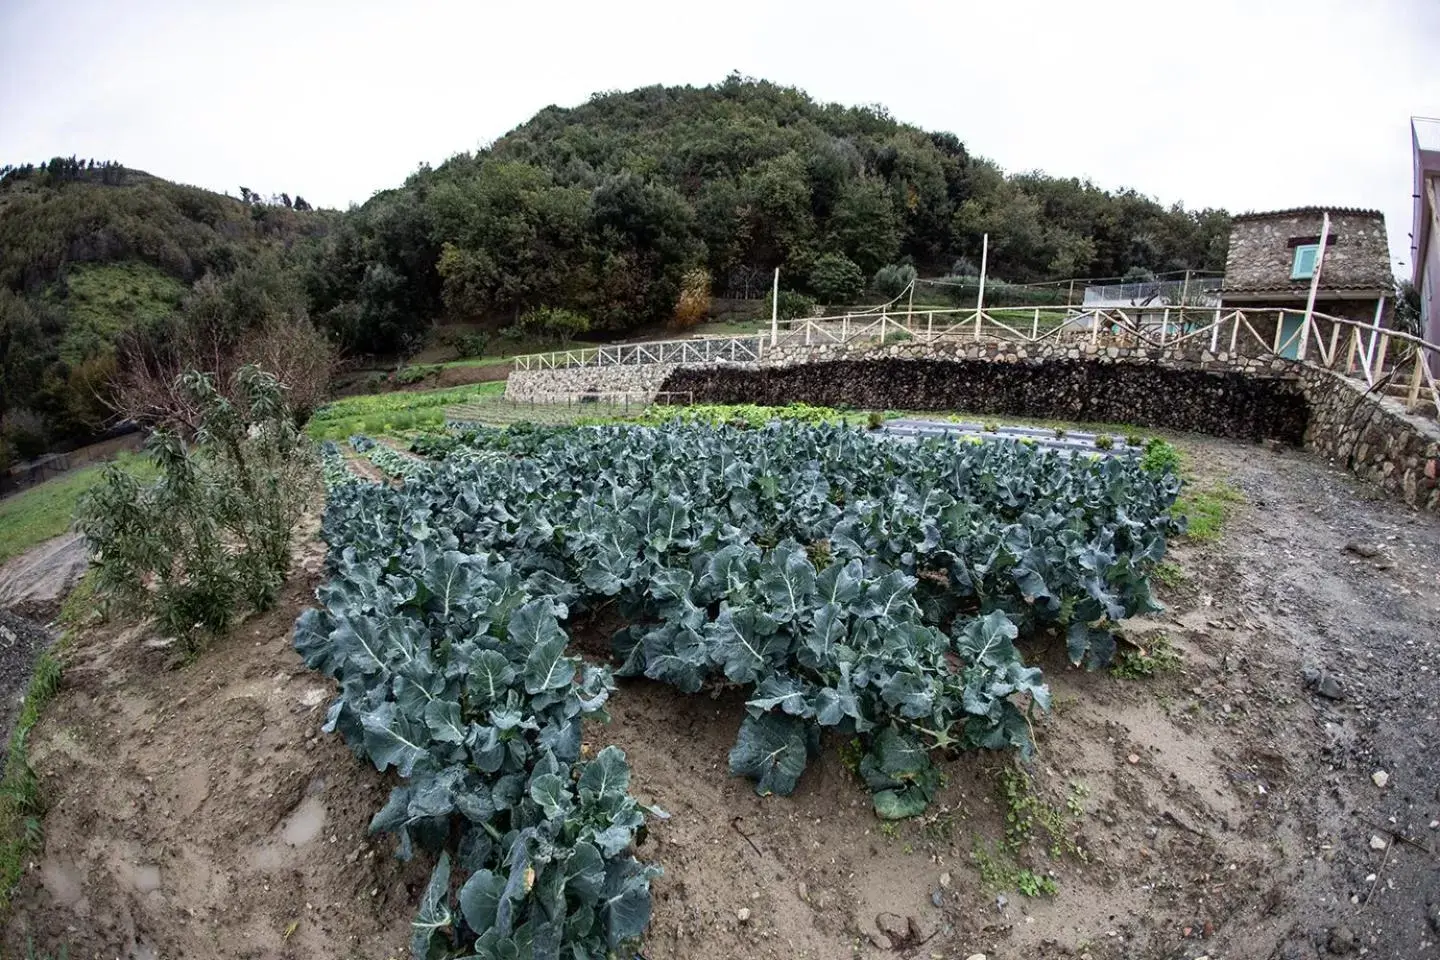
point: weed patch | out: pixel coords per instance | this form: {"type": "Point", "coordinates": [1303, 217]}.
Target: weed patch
{"type": "Point", "coordinates": [1168, 574]}
{"type": "Point", "coordinates": [1160, 657]}
{"type": "Point", "coordinates": [1031, 818]}
{"type": "Point", "coordinates": [21, 805]}
{"type": "Point", "coordinates": [1207, 509]}
{"type": "Point", "coordinates": [999, 873]}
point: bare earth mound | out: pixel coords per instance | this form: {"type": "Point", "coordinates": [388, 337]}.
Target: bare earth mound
{"type": "Point", "coordinates": [1228, 806]}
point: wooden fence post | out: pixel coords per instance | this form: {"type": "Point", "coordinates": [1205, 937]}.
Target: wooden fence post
{"type": "Point", "coordinates": [1414, 399]}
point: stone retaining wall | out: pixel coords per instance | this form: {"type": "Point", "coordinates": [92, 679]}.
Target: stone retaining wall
{"type": "Point", "coordinates": [642, 380]}
{"type": "Point", "coordinates": [1182, 388]}
{"type": "Point", "coordinates": [1222, 403]}
{"type": "Point", "coordinates": [1374, 438]}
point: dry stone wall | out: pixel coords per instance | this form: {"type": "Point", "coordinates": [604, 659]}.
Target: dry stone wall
{"type": "Point", "coordinates": [1220, 403]}
{"type": "Point", "coordinates": [1183, 388]}
{"type": "Point", "coordinates": [1373, 437]}
{"type": "Point", "coordinates": [577, 383]}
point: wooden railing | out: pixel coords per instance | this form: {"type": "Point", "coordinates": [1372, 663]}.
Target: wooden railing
{"type": "Point", "coordinates": [698, 350]}
{"type": "Point", "coordinates": [1396, 363]}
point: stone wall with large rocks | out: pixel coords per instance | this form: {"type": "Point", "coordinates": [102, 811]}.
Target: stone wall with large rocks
{"type": "Point", "coordinates": [1222, 403]}
{"type": "Point", "coordinates": [1185, 387]}
{"type": "Point", "coordinates": [639, 381]}
{"type": "Point", "coordinates": [1373, 437]}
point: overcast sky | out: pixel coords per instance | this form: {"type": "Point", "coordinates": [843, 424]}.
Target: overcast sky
{"type": "Point", "coordinates": [1244, 104]}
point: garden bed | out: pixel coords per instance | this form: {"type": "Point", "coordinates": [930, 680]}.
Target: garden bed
{"type": "Point", "coordinates": [1225, 808]}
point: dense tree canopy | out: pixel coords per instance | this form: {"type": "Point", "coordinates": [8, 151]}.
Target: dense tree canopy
{"type": "Point", "coordinates": [603, 208]}
{"type": "Point", "coordinates": [608, 212]}
{"type": "Point", "coordinates": [95, 256]}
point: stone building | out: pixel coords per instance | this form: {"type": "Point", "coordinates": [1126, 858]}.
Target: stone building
{"type": "Point", "coordinates": [1274, 256]}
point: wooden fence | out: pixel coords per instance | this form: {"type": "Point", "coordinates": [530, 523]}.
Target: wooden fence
{"type": "Point", "coordinates": [1389, 361]}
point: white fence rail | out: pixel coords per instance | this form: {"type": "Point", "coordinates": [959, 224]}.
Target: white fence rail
{"type": "Point", "coordinates": [1389, 361]}
{"type": "Point", "coordinates": [736, 349]}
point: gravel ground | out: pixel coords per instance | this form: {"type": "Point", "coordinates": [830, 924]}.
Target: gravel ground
{"type": "Point", "coordinates": [1346, 586]}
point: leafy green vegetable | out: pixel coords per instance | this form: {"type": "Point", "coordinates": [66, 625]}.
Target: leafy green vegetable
{"type": "Point", "coordinates": [860, 585]}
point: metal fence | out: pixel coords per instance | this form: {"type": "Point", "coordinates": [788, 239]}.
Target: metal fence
{"type": "Point", "coordinates": [1194, 292]}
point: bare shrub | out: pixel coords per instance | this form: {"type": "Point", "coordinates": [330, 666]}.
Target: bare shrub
{"type": "Point", "coordinates": [149, 390]}
{"type": "Point", "coordinates": [693, 304]}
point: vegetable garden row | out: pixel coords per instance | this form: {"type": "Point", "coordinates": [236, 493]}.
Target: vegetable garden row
{"type": "Point", "coordinates": [870, 588]}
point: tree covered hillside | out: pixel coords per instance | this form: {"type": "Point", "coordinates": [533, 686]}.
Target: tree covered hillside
{"type": "Point", "coordinates": [96, 257]}
{"type": "Point", "coordinates": [605, 208]}
{"type": "Point", "coordinates": [630, 210]}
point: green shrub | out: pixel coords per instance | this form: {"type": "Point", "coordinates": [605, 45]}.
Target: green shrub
{"type": "Point", "coordinates": [24, 433]}
{"type": "Point", "coordinates": [1160, 457]}
{"type": "Point", "coordinates": [836, 278]}
{"type": "Point", "coordinates": [792, 305]}
{"type": "Point", "coordinates": [876, 420]}
{"type": "Point", "coordinates": [891, 281]}
{"type": "Point", "coordinates": [554, 323]}
{"type": "Point", "coordinates": [468, 345]}
{"type": "Point", "coordinates": [1133, 439]}
{"type": "Point", "coordinates": [213, 533]}
{"type": "Point", "coordinates": [1103, 441]}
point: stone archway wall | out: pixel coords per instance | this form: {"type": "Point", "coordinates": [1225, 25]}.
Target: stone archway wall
{"type": "Point", "coordinates": [1221, 403]}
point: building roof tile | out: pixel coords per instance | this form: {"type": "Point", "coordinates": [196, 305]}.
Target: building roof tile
{"type": "Point", "coordinates": [1300, 211]}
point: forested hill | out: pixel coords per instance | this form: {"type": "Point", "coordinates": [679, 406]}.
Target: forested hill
{"type": "Point", "coordinates": [95, 253]}
{"type": "Point", "coordinates": [604, 212]}
{"type": "Point", "coordinates": [603, 208]}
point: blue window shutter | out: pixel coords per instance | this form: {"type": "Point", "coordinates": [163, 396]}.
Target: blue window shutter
{"type": "Point", "coordinates": [1304, 265]}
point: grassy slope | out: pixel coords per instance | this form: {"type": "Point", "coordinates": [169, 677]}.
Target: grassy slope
{"type": "Point", "coordinates": [42, 512]}
{"type": "Point", "coordinates": [392, 412]}
{"type": "Point", "coordinates": [104, 300]}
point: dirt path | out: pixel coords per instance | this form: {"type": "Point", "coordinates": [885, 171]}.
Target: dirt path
{"type": "Point", "coordinates": [1362, 871]}
{"type": "Point", "coordinates": [1220, 809]}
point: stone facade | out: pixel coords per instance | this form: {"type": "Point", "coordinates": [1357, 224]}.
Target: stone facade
{"type": "Point", "coordinates": [1262, 251]}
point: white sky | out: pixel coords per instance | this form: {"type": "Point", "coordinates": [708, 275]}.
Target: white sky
{"type": "Point", "coordinates": [1245, 104]}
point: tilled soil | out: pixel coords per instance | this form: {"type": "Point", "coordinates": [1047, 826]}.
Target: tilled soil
{"type": "Point", "coordinates": [1220, 808]}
